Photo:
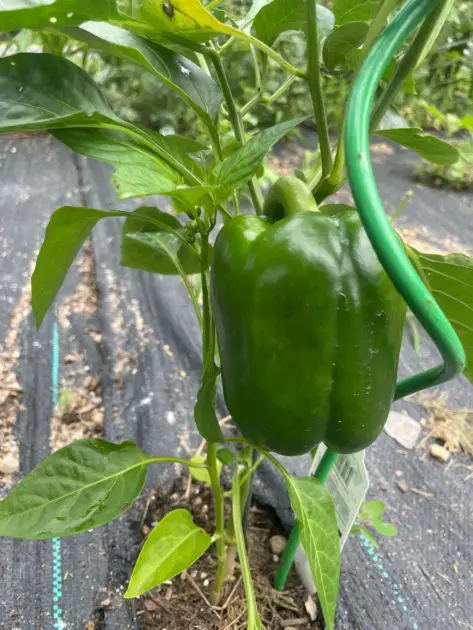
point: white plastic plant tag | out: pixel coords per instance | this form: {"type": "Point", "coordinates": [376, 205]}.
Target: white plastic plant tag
{"type": "Point", "coordinates": [347, 484]}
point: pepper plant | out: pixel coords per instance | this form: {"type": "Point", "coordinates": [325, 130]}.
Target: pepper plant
{"type": "Point", "coordinates": [293, 288]}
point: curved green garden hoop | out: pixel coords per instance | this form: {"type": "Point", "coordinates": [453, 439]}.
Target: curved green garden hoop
{"type": "Point", "coordinates": [382, 236]}
{"type": "Point", "coordinates": [369, 205]}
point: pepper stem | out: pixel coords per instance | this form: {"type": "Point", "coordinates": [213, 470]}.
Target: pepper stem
{"type": "Point", "coordinates": [287, 196]}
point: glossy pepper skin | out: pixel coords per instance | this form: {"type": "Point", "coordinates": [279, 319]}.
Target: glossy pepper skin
{"type": "Point", "coordinates": [309, 326]}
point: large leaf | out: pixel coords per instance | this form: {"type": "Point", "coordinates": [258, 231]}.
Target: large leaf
{"type": "Point", "coordinates": [450, 279]}
{"type": "Point", "coordinates": [355, 10]}
{"type": "Point", "coordinates": [289, 15]}
{"type": "Point", "coordinates": [186, 19]}
{"type": "Point", "coordinates": [40, 91]}
{"type": "Point", "coordinates": [194, 85]}
{"type": "Point", "coordinates": [66, 232]}
{"type": "Point", "coordinates": [173, 546]}
{"type": "Point", "coordinates": [157, 247]}
{"type": "Point", "coordinates": [37, 14]}
{"type": "Point", "coordinates": [429, 147]}
{"type": "Point", "coordinates": [81, 486]}
{"type": "Point", "coordinates": [138, 173]}
{"type": "Point", "coordinates": [341, 45]}
{"type": "Point", "coordinates": [237, 169]}
{"type": "Point", "coordinates": [47, 92]}
{"type": "Point", "coordinates": [315, 515]}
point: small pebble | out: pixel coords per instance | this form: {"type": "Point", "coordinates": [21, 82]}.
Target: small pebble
{"type": "Point", "coordinates": [206, 582]}
{"type": "Point", "coordinates": [277, 544]}
{"type": "Point", "coordinates": [398, 473]}
{"type": "Point", "coordinates": [402, 485]}
{"type": "Point", "coordinates": [145, 529]}
{"type": "Point", "coordinates": [439, 452]}
{"type": "Point", "coordinates": [203, 575]}
{"type": "Point", "coordinates": [9, 464]}
{"type": "Point", "coordinates": [197, 502]}
{"type": "Point", "coordinates": [311, 607]}
{"type": "Point", "coordinates": [402, 428]}
{"type": "Point", "coordinates": [275, 558]}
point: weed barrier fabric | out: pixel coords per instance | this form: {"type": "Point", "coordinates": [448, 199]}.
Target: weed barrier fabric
{"type": "Point", "coordinates": [142, 345]}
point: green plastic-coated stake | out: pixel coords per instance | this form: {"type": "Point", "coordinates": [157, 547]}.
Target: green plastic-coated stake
{"type": "Point", "coordinates": [383, 238]}
{"type": "Point", "coordinates": [369, 205]}
{"type": "Point", "coordinates": [323, 470]}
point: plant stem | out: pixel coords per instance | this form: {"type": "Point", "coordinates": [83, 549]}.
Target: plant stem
{"type": "Point", "coordinates": [337, 176]}
{"type": "Point", "coordinates": [245, 486]}
{"type": "Point", "coordinates": [315, 87]}
{"type": "Point", "coordinates": [280, 91]}
{"type": "Point", "coordinates": [407, 65]}
{"type": "Point", "coordinates": [237, 124]}
{"type": "Point", "coordinates": [253, 618]}
{"type": "Point", "coordinates": [275, 56]}
{"type": "Point", "coordinates": [219, 521]}
{"type": "Point", "coordinates": [208, 345]}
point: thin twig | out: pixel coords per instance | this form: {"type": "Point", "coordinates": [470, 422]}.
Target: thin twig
{"type": "Point", "coordinates": [229, 598]}
{"type": "Point", "coordinates": [232, 623]}
{"type": "Point", "coordinates": [196, 587]}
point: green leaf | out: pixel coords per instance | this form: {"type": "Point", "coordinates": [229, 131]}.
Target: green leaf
{"type": "Point", "coordinates": [429, 147]}
{"type": "Point", "coordinates": [66, 232]}
{"type": "Point", "coordinates": [196, 87]}
{"type": "Point", "coordinates": [450, 279]}
{"type": "Point", "coordinates": [315, 515]}
{"type": "Point", "coordinates": [253, 12]}
{"type": "Point", "coordinates": [204, 411]}
{"type": "Point", "coordinates": [409, 84]}
{"type": "Point", "coordinates": [133, 180]}
{"type": "Point", "coordinates": [157, 247]}
{"type": "Point", "coordinates": [37, 14]}
{"type": "Point", "coordinates": [237, 169]}
{"type": "Point", "coordinates": [202, 474]}
{"type": "Point", "coordinates": [289, 15]}
{"type": "Point", "coordinates": [384, 529]}
{"type": "Point", "coordinates": [355, 10]}
{"type": "Point", "coordinates": [341, 45]}
{"type": "Point", "coordinates": [439, 24]}
{"type": "Point", "coordinates": [41, 91]}
{"type": "Point", "coordinates": [80, 487]}
{"type": "Point", "coordinates": [138, 171]}
{"type": "Point", "coordinates": [187, 19]}
{"type": "Point", "coordinates": [371, 509]}
{"type": "Point", "coordinates": [226, 456]}
{"type": "Point", "coordinates": [174, 545]}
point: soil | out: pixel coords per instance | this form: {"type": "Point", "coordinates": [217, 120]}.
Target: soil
{"type": "Point", "coordinates": [85, 300]}
{"type": "Point", "coordinates": [10, 391]}
{"type": "Point", "coordinates": [184, 602]}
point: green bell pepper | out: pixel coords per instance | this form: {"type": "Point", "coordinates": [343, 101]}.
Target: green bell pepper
{"type": "Point", "coordinates": [309, 325]}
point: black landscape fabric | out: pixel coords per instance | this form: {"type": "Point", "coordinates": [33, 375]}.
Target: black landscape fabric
{"type": "Point", "coordinates": [133, 339]}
